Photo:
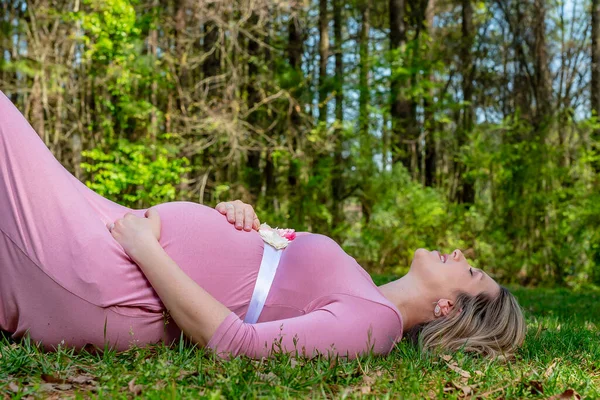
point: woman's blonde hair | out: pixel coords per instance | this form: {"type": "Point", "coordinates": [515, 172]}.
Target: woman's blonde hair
{"type": "Point", "coordinates": [490, 326]}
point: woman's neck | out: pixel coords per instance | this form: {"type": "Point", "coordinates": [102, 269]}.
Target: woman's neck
{"type": "Point", "coordinates": [410, 299]}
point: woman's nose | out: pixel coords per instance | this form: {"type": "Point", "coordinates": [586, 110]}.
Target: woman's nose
{"type": "Point", "coordinates": [457, 255]}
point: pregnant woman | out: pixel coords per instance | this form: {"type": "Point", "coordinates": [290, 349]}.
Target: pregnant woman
{"type": "Point", "coordinates": [79, 269]}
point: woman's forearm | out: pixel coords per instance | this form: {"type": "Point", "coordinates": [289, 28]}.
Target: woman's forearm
{"type": "Point", "coordinates": [195, 311]}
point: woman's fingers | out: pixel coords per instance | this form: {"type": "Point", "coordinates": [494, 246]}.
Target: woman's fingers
{"type": "Point", "coordinates": [255, 223]}
{"type": "Point", "coordinates": [221, 207]}
{"type": "Point", "coordinates": [248, 218]}
{"type": "Point", "coordinates": [239, 217]}
{"type": "Point", "coordinates": [240, 214]}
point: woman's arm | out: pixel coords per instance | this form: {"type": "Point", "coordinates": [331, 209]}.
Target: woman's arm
{"type": "Point", "coordinates": [195, 311]}
{"type": "Point", "coordinates": [345, 326]}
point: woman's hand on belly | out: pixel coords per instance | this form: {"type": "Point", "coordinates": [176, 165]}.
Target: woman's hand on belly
{"type": "Point", "coordinates": [134, 233]}
{"type": "Point", "coordinates": [240, 214]}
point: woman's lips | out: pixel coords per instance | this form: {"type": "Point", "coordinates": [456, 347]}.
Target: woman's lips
{"type": "Point", "coordinates": [443, 257]}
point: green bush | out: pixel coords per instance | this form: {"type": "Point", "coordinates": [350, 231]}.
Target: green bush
{"type": "Point", "coordinates": [135, 174]}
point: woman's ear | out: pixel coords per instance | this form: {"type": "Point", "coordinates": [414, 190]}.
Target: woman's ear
{"type": "Point", "coordinates": [445, 306]}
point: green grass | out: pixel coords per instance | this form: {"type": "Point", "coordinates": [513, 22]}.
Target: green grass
{"type": "Point", "coordinates": [562, 352]}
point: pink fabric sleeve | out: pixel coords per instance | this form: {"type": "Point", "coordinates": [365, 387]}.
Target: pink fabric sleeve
{"type": "Point", "coordinates": [347, 326]}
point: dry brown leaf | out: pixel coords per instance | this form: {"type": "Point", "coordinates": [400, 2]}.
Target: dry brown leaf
{"type": "Point", "coordinates": [454, 367]}
{"type": "Point", "coordinates": [48, 378]}
{"type": "Point", "coordinates": [369, 380]}
{"type": "Point", "coordinates": [536, 387]}
{"type": "Point", "coordinates": [465, 389]}
{"type": "Point", "coordinates": [365, 389]}
{"type": "Point", "coordinates": [478, 373]}
{"type": "Point", "coordinates": [550, 369]}
{"type": "Point", "coordinates": [270, 377]}
{"type": "Point", "coordinates": [135, 389]}
{"type": "Point", "coordinates": [81, 379]}
{"type": "Point", "coordinates": [449, 387]}
{"type": "Point", "coordinates": [567, 394]}
{"type": "Point", "coordinates": [47, 387]}
{"type": "Point", "coordinates": [184, 374]}
{"type": "Point", "coordinates": [13, 387]}
{"type": "Point", "coordinates": [447, 357]}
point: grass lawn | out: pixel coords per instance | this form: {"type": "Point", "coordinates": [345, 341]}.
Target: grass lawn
{"type": "Point", "coordinates": [561, 356]}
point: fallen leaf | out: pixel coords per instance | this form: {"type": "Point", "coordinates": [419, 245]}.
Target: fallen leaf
{"type": "Point", "coordinates": [550, 369]}
{"type": "Point", "coordinates": [13, 386]}
{"type": "Point", "coordinates": [536, 387]}
{"type": "Point", "coordinates": [47, 387]}
{"type": "Point", "coordinates": [454, 367]}
{"type": "Point", "coordinates": [465, 389]}
{"type": "Point", "coordinates": [135, 389]}
{"type": "Point", "coordinates": [184, 374]}
{"type": "Point", "coordinates": [365, 389]}
{"type": "Point", "coordinates": [270, 377]}
{"type": "Point", "coordinates": [478, 373]}
{"type": "Point", "coordinates": [64, 386]}
{"type": "Point", "coordinates": [567, 394]}
{"type": "Point", "coordinates": [82, 379]}
{"type": "Point", "coordinates": [48, 378]}
{"type": "Point", "coordinates": [447, 357]}
{"type": "Point", "coordinates": [369, 380]}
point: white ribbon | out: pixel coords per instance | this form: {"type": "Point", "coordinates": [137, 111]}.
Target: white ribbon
{"type": "Point", "coordinates": [264, 280]}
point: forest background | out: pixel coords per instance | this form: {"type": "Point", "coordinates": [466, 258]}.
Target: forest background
{"type": "Point", "coordinates": [388, 125]}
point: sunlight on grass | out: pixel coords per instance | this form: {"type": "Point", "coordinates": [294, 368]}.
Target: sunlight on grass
{"type": "Point", "coordinates": [561, 353]}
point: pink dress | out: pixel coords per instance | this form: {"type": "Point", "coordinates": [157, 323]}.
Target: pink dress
{"type": "Point", "coordinates": [64, 279]}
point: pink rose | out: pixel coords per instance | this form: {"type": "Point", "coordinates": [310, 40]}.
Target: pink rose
{"type": "Point", "coordinates": [289, 234]}
{"type": "Point", "coordinates": [278, 238]}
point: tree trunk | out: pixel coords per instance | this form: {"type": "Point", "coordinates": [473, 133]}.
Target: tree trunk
{"type": "Point", "coordinates": [595, 89]}
{"type": "Point", "coordinates": [541, 85]}
{"type": "Point", "coordinates": [212, 63]}
{"type": "Point", "coordinates": [431, 142]}
{"type": "Point", "coordinates": [253, 173]}
{"type": "Point", "coordinates": [152, 49]}
{"type": "Point", "coordinates": [400, 105]}
{"type": "Point", "coordinates": [337, 182]}
{"type": "Point", "coordinates": [466, 193]}
{"type": "Point", "coordinates": [323, 57]}
{"type": "Point", "coordinates": [295, 48]}
{"type": "Point", "coordinates": [364, 134]}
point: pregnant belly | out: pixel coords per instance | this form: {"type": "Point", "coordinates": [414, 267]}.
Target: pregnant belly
{"type": "Point", "coordinates": [221, 259]}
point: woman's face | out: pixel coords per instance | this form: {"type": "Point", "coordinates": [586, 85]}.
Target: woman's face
{"type": "Point", "coordinates": [448, 274]}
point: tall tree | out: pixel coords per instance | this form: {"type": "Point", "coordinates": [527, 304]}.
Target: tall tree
{"type": "Point", "coordinates": [466, 193]}
{"type": "Point", "coordinates": [295, 49]}
{"type": "Point", "coordinates": [595, 88]}
{"type": "Point", "coordinates": [400, 104]}
{"type": "Point", "coordinates": [337, 182]}
{"type": "Point", "coordinates": [431, 126]}
{"type": "Point", "coordinates": [323, 58]}
{"type": "Point", "coordinates": [366, 166]}
{"type": "Point", "coordinates": [253, 173]}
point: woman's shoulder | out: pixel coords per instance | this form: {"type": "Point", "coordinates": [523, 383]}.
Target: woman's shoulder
{"type": "Point", "coordinates": [378, 319]}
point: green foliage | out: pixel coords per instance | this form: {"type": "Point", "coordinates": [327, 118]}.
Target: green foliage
{"type": "Point", "coordinates": [135, 174]}
{"type": "Point", "coordinates": [405, 216]}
